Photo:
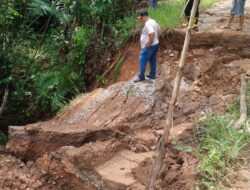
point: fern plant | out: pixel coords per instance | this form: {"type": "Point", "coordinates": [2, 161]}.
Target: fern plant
{"type": "Point", "coordinates": [50, 8]}
{"type": "Point", "coordinates": [55, 87]}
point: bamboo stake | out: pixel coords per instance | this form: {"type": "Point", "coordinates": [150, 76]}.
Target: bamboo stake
{"type": "Point", "coordinates": [243, 103]}
{"type": "Point", "coordinates": [162, 142]}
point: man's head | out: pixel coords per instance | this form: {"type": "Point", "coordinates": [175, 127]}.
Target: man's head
{"type": "Point", "coordinates": [143, 16]}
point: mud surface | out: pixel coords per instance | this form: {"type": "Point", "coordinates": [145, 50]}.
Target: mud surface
{"type": "Point", "coordinates": [17, 175]}
{"type": "Point", "coordinates": [240, 180]}
{"type": "Point", "coordinates": [105, 139]}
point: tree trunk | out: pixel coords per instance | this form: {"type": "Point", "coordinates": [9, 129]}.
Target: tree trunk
{"type": "Point", "coordinates": [163, 140]}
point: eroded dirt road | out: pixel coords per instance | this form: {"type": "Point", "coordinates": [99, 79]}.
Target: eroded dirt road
{"type": "Point", "coordinates": [106, 138]}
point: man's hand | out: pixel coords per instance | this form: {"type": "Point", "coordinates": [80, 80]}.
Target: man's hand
{"type": "Point", "coordinates": [148, 45]}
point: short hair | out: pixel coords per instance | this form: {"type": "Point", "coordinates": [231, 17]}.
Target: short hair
{"type": "Point", "coordinates": [143, 13]}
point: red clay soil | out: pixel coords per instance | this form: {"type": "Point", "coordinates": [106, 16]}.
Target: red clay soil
{"type": "Point", "coordinates": [17, 175]}
{"type": "Point", "coordinates": [178, 172]}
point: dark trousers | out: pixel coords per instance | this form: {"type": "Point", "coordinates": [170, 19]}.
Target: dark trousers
{"type": "Point", "coordinates": [153, 3]}
{"type": "Point", "coordinates": [188, 10]}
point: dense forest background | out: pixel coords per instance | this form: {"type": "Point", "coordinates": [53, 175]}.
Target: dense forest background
{"type": "Point", "coordinates": [52, 50]}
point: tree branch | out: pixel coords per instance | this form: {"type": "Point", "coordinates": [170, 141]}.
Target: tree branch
{"type": "Point", "coordinates": [5, 97]}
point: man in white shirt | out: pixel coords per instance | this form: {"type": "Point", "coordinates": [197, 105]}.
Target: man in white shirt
{"type": "Point", "coordinates": [149, 46]}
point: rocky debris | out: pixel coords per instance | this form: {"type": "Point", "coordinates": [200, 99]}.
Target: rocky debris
{"type": "Point", "coordinates": [179, 171]}
{"type": "Point", "coordinates": [246, 53]}
{"type": "Point", "coordinates": [210, 38]}
{"type": "Point", "coordinates": [120, 107]}
{"type": "Point", "coordinates": [16, 175]}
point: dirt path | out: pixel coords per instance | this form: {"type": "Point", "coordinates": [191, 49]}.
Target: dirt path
{"type": "Point", "coordinates": [215, 17]}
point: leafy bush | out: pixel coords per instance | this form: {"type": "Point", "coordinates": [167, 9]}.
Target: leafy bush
{"type": "Point", "coordinates": [123, 30]}
{"type": "Point", "coordinates": [53, 87]}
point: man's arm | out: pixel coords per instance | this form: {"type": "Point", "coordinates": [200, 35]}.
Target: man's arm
{"type": "Point", "coordinates": [151, 39]}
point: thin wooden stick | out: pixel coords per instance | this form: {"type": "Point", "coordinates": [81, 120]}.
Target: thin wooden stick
{"type": "Point", "coordinates": [164, 140]}
{"type": "Point", "coordinates": [243, 103]}
{"type": "Point", "coordinates": [5, 97]}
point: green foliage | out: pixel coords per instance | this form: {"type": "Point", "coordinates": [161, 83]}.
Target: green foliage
{"type": "Point", "coordinates": [51, 8]}
{"type": "Point", "coordinates": [207, 3]}
{"type": "Point", "coordinates": [53, 87]}
{"type": "Point", "coordinates": [221, 146]}
{"type": "Point", "coordinates": [51, 50]}
{"type": "Point", "coordinates": [101, 80]}
{"type": "Point", "coordinates": [123, 30]}
{"type": "Point", "coordinates": [80, 44]}
{"type": "Point", "coordinates": [3, 138]}
{"type": "Point", "coordinates": [180, 147]}
{"type": "Point", "coordinates": [117, 69]}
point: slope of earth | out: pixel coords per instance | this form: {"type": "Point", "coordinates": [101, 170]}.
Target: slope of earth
{"type": "Point", "coordinates": [105, 139]}
{"type": "Point", "coordinates": [241, 179]}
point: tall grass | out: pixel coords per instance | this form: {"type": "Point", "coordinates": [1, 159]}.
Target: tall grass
{"type": "Point", "coordinates": [221, 146]}
{"type": "Point", "coordinates": [169, 13]}
{"type": "Point", "coordinates": [207, 3]}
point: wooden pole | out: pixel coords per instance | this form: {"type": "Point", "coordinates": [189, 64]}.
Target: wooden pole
{"type": "Point", "coordinates": [243, 103]}
{"type": "Point", "coordinates": [180, 72]}
{"type": "Point", "coordinates": [163, 140]}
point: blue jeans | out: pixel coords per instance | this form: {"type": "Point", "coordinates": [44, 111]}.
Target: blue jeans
{"type": "Point", "coordinates": [148, 55]}
{"type": "Point", "coordinates": [238, 7]}
{"type": "Point", "coordinates": [153, 3]}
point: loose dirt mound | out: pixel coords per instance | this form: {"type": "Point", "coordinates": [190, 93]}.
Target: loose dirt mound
{"type": "Point", "coordinates": [15, 174]}
{"type": "Point", "coordinates": [178, 172]}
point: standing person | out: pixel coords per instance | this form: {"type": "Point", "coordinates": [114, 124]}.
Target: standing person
{"type": "Point", "coordinates": [153, 3]}
{"type": "Point", "coordinates": [238, 9]}
{"type": "Point", "coordinates": [188, 9]}
{"type": "Point", "coordinates": [149, 46]}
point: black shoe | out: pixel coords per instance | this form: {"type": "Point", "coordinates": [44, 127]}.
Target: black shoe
{"type": "Point", "coordinates": [138, 80]}
{"type": "Point", "coordinates": [149, 76]}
